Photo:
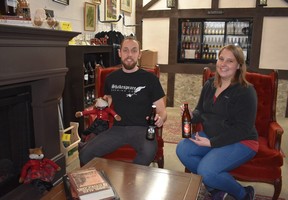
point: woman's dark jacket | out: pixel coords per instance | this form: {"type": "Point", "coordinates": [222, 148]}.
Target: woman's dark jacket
{"type": "Point", "coordinates": [231, 118]}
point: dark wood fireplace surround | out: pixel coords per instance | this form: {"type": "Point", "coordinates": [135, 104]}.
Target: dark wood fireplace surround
{"type": "Point", "coordinates": [37, 57]}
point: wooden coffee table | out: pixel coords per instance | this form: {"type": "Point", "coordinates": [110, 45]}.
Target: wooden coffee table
{"type": "Point", "coordinates": [140, 182]}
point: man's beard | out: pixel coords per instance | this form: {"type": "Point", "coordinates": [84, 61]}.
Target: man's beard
{"type": "Point", "coordinates": [129, 66]}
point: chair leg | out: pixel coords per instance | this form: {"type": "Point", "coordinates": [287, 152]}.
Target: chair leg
{"type": "Point", "coordinates": [160, 162]}
{"type": "Point", "coordinates": [277, 188]}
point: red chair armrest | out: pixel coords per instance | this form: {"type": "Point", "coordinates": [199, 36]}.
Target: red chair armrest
{"type": "Point", "coordinates": [275, 135]}
{"type": "Point", "coordinates": [160, 131]}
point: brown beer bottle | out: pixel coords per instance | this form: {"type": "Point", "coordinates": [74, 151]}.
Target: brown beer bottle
{"type": "Point", "coordinates": [186, 122]}
{"type": "Point", "coordinates": [151, 129]}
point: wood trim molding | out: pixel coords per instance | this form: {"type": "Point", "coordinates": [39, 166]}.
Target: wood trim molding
{"type": "Point", "coordinates": [215, 4]}
{"type": "Point", "coordinates": [149, 4]}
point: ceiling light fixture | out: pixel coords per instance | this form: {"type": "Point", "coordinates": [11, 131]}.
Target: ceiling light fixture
{"type": "Point", "coordinates": [263, 3]}
{"type": "Point", "coordinates": [171, 3]}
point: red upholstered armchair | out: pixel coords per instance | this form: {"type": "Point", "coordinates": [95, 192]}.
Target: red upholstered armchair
{"type": "Point", "coordinates": [266, 165]}
{"type": "Point", "coordinates": [125, 153]}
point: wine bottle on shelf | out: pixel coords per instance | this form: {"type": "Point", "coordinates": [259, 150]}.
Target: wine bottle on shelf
{"type": "Point", "coordinates": [183, 44]}
{"type": "Point", "coordinates": [101, 61]}
{"type": "Point", "coordinates": [197, 54]}
{"type": "Point", "coordinates": [198, 29]}
{"type": "Point", "coordinates": [205, 28]}
{"type": "Point", "coordinates": [214, 55]}
{"type": "Point", "coordinates": [91, 73]}
{"type": "Point", "coordinates": [192, 29]}
{"type": "Point", "coordinates": [197, 46]}
{"type": "Point", "coordinates": [188, 30]}
{"type": "Point", "coordinates": [183, 28]}
{"type": "Point", "coordinates": [88, 98]}
{"type": "Point", "coordinates": [187, 45]}
{"type": "Point", "coordinates": [86, 75]}
{"type": "Point", "coordinates": [92, 95]}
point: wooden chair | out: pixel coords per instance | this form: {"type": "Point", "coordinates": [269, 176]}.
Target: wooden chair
{"type": "Point", "coordinates": [125, 153]}
{"type": "Point", "coordinates": [266, 165]}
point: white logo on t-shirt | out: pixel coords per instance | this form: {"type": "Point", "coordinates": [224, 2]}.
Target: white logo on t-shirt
{"type": "Point", "coordinates": [129, 90]}
{"type": "Point", "coordinates": [138, 89]}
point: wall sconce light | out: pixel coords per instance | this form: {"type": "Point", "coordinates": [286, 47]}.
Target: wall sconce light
{"type": "Point", "coordinates": [171, 3]}
{"type": "Point", "coordinates": [263, 3]}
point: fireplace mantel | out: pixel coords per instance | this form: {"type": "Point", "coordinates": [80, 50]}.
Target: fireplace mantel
{"type": "Point", "coordinates": [28, 53]}
{"type": "Point", "coordinates": [37, 57]}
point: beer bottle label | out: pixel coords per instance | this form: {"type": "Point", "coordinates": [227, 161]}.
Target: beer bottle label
{"type": "Point", "coordinates": [186, 129]}
{"type": "Point", "coordinates": [150, 135]}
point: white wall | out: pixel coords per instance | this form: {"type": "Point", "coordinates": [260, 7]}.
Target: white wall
{"type": "Point", "coordinates": [155, 37]}
{"type": "Point", "coordinates": [274, 43]}
{"type": "Point", "coordinates": [156, 31]}
{"type": "Point", "coordinates": [237, 3]}
{"type": "Point", "coordinates": [74, 13]}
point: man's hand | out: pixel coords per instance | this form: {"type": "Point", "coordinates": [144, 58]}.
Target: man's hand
{"type": "Point", "coordinates": [158, 121]}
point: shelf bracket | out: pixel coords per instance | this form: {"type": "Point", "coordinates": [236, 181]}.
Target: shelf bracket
{"type": "Point", "coordinates": [107, 21]}
{"type": "Point", "coordinates": [128, 25]}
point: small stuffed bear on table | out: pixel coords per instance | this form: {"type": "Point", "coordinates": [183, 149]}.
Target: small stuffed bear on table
{"type": "Point", "coordinates": [101, 122]}
{"type": "Point", "coordinates": [39, 171]}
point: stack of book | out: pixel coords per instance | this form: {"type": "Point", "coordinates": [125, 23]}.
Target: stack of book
{"type": "Point", "coordinates": [89, 184]}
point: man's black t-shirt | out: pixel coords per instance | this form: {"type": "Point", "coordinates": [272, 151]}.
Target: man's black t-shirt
{"type": "Point", "coordinates": [133, 95]}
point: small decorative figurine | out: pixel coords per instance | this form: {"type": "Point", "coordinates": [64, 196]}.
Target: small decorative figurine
{"type": "Point", "coordinates": [101, 122]}
{"type": "Point", "coordinates": [39, 171]}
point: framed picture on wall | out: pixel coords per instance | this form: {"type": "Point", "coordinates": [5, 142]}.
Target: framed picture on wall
{"type": "Point", "coordinates": [126, 5]}
{"type": "Point", "coordinates": [64, 2]}
{"type": "Point", "coordinates": [89, 16]}
{"type": "Point", "coordinates": [96, 1]}
{"type": "Point", "coordinates": [110, 10]}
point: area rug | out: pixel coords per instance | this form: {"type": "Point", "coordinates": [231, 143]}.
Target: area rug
{"type": "Point", "coordinates": [172, 127]}
{"type": "Point", "coordinates": [204, 195]}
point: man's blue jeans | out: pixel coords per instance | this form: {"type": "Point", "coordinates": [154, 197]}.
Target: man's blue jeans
{"type": "Point", "coordinates": [214, 164]}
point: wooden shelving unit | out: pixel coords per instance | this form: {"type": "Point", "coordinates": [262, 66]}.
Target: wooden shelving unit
{"type": "Point", "coordinates": [74, 91]}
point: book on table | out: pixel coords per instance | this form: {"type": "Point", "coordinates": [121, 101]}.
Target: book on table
{"type": "Point", "coordinates": [91, 184]}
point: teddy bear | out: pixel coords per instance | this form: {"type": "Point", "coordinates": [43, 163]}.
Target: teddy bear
{"type": "Point", "coordinates": [101, 110]}
{"type": "Point", "coordinates": [39, 171]}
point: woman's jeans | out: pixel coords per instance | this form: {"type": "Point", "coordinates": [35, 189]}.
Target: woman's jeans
{"type": "Point", "coordinates": [214, 164]}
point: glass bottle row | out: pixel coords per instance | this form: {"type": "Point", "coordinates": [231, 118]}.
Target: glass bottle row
{"type": "Point", "coordinates": [214, 28]}
{"type": "Point", "coordinates": [243, 42]}
{"type": "Point", "coordinates": [215, 43]}
{"type": "Point", "coordinates": [196, 54]}
{"type": "Point", "coordinates": [88, 73]}
{"type": "Point", "coordinates": [191, 28]}
{"type": "Point", "coordinates": [203, 39]}
{"type": "Point", "coordinates": [237, 28]}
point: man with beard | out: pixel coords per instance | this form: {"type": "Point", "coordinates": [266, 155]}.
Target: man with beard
{"type": "Point", "coordinates": [133, 91]}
